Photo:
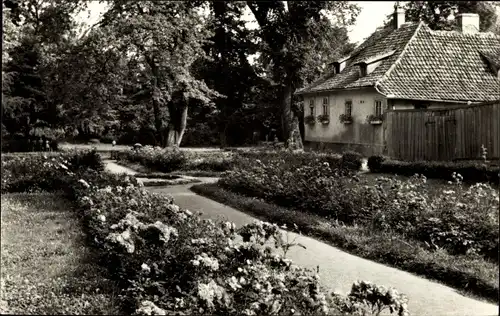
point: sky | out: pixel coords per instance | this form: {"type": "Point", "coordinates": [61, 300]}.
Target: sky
{"type": "Point", "coordinates": [372, 15]}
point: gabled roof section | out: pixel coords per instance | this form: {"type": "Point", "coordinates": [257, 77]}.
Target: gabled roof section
{"type": "Point", "coordinates": [420, 64]}
{"type": "Point", "coordinates": [445, 66]}
{"type": "Point", "coordinates": [382, 41]}
{"type": "Point", "coordinates": [376, 58]}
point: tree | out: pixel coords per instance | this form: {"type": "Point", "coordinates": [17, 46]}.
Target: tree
{"type": "Point", "coordinates": [163, 39]}
{"type": "Point", "coordinates": [228, 70]}
{"type": "Point", "coordinates": [35, 32]}
{"type": "Point", "coordinates": [293, 35]}
{"type": "Point", "coordinates": [438, 15]}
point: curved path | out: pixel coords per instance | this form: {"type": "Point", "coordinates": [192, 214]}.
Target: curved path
{"type": "Point", "coordinates": [338, 269]}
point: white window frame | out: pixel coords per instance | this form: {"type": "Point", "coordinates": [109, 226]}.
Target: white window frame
{"type": "Point", "coordinates": [348, 105]}
{"type": "Point", "coordinates": [311, 107]}
{"type": "Point", "coordinates": [325, 105]}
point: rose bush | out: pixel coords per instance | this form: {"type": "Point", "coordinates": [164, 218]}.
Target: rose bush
{"type": "Point", "coordinates": [170, 261]}
{"type": "Point", "coordinates": [45, 172]}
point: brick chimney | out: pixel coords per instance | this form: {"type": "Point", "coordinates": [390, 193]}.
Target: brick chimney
{"type": "Point", "coordinates": [399, 15]}
{"type": "Point", "coordinates": [468, 23]}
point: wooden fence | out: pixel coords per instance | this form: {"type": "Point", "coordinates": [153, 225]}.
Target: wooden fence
{"type": "Point", "coordinates": [443, 135]}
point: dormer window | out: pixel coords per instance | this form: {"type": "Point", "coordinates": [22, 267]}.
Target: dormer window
{"type": "Point", "coordinates": [335, 67]}
{"type": "Point", "coordinates": [492, 61]}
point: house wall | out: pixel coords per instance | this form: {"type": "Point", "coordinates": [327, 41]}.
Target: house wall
{"type": "Point", "coordinates": [360, 135]}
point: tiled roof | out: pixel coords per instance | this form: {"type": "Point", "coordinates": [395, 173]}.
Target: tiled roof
{"type": "Point", "coordinates": [426, 65]}
{"type": "Point", "coordinates": [380, 42]}
{"type": "Point", "coordinates": [441, 65]}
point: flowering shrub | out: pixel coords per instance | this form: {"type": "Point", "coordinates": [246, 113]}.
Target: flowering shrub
{"type": "Point", "coordinates": [42, 172]}
{"type": "Point", "coordinates": [471, 171]}
{"type": "Point", "coordinates": [170, 261]}
{"type": "Point", "coordinates": [351, 160]}
{"type": "Point", "coordinates": [375, 162]}
{"type": "Point", "coordinates": [287, 159]}
{"type": "Point", "coordinates": [459, 220]}
{"type": "Point", "coordinates": [161, 159]}
{"type": "Point", "coordinates": [175, 262]}
{"type": "Point", "coordinates": [172, 159]}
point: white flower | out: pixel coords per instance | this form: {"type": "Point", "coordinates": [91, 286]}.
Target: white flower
{"type": "Point", "coordinates": [85, 184]}
{"type": "Point", "coordinates": [195, 263]}
{"type": "Point", "coordinates": [107, 189]}
{"type": "Point", "coordinates": [149, 308]}
{"type": "Point", "coordinates": [233, 283]}
{"type": "Point", "coordinates": [102, 218]}
{"type": "Point", "coordinates": [145, 268]}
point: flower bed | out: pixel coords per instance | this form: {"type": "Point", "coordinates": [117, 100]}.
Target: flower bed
{"type": "Point", "coordinates": [173, 159]}
{"type": "Point", "coordinates": [473, 275]}
{"type": "Point", "coordinates": [168, 260]}
{"type": "Point", "coordinates": [458, 220]}
{"type": "Point", "coordinates": [470, 171]}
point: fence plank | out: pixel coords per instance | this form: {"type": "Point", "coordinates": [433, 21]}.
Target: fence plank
{"type": "Point", "coordinates": [443, 134]}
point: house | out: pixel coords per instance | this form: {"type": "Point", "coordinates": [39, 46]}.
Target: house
{"type": "Point", "coordinates": [403, 66]}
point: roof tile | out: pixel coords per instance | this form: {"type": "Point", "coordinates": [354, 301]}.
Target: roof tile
{"type": "Point", "coordinates": [426, 65]}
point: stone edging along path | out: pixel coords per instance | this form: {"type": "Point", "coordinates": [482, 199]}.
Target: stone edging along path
{"type": "Point", "coordinates": [338, 269]}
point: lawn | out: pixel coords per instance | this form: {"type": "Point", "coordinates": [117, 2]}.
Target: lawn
{"type": "Point", "coordinates": [46, 268]}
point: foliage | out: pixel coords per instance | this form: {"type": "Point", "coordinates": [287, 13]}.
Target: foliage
{"type": "Point", "coordinates": [175, 262]}
{"type": "Point", "coordinates": [470, 171]}
{"type": "Point", "coordinates": [160, 159]}
{"type": "Point", "coordinates": [42, 172]}
{"type": "Point", "coordinates": [458, 220]}
{"type": "Point", "coordinates": [40, 31]}
{"type": "Point", "coordinates": [173, 159]}
{"type": "Point", "coordinates": [163, 41]}
{"type": "Point", "coordinates": [323, 118]}
{"type": "Point", "coordinates": [476, 275]}
{"type": "Point", "coordinates": [351, 160]}
{"type": "Point", "coordinates": [310, 119]}
{"type": "Point", "coordinates": [441, 15]}
{"type": "Point", "coordinates": [297, 39]}
{"type": "Point", "coordinates": [344, 118]}
{"type": "Point", "coordinates": [169, 260]}
{"type": "Point", "coordinates": [370, 118]}
{"type": "Point", "coordinates": [229, 71]}
{"type": "Point", "coordinates": [375, 163]}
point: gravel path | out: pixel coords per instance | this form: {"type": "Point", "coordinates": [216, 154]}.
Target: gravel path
{"type": "Point", "coordinates": [338, 269]}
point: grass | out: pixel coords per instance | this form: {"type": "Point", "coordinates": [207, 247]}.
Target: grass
{"type": "Point", "coordinates": [46, 268]}
{"type": "Point", "coordinates": [474, 277]}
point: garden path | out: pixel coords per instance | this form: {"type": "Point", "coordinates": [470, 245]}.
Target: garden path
{"type": "Point", "coordinates": [338, 269]}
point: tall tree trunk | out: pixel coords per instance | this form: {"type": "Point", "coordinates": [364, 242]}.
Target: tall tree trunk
{"type": "Point", "coordinates": [157, 114]}
{"type": "Point", "coordinates": [182, 123]}
{"type": "Point", "coordinates": [223, 134]}
{"type": "Point", "coordinates": [290, 121]}
{"type": "Point", "coordinates": [177, 125]}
